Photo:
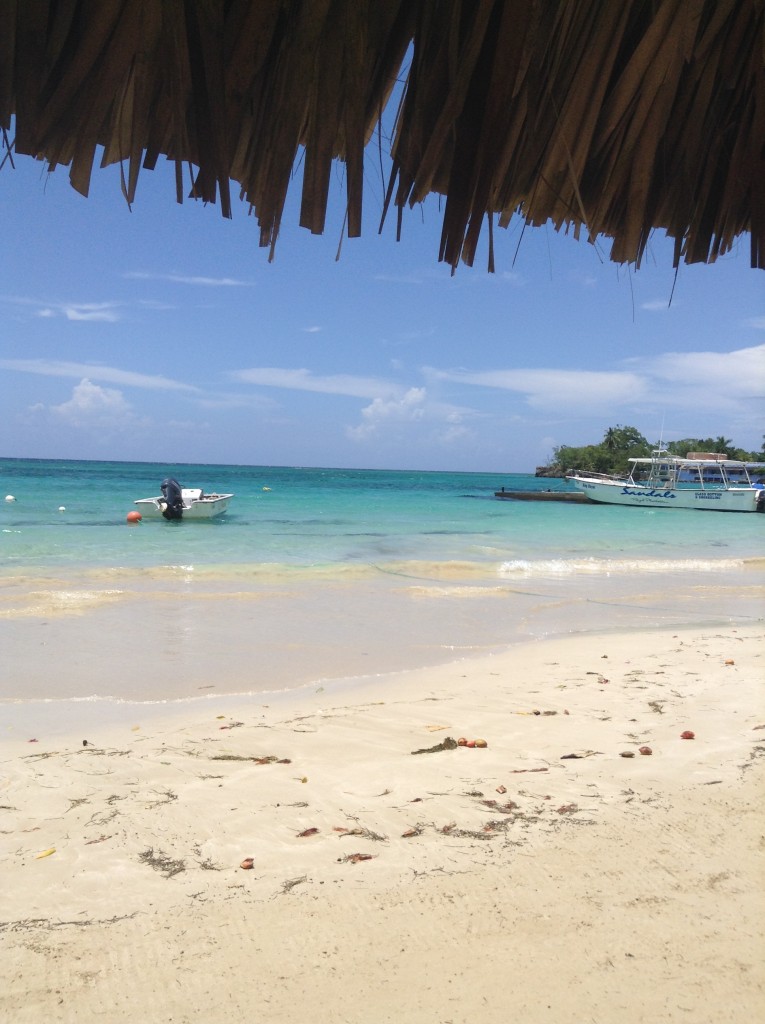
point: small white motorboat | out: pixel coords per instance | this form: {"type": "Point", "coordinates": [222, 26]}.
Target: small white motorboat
{"type": "Point", "coordinates": [178, 502]}
{"type": "Point", "coordinates": [703, 480]}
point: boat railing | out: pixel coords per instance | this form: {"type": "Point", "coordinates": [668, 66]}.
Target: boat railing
{"type": "Point", "coordinates": [590, 474]}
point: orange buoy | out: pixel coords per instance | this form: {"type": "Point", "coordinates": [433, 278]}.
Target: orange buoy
{"type": "Point", "coordinates": [134, 517]}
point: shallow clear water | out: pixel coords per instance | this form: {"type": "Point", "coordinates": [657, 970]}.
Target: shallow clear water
{"type": "Point", "coordinates": [316, 573]}
{"type": "Point", "coordinates": [324, 517]}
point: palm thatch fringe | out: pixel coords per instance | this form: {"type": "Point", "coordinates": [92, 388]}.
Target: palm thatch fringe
{"type": "Point", "coordinates": [612, 119]}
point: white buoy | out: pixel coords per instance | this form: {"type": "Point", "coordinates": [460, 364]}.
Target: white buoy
{"type": "Point", "coordinates": [62, 508]}
{"type": "Point", "coordinates": [9, 497]}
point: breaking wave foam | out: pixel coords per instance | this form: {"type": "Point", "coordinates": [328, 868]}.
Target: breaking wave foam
{"type": "Point", "coordinates": [615, 566]}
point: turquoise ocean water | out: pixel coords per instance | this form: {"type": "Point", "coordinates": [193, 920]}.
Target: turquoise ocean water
{"type": "Point", "coordinates": [317, 573]}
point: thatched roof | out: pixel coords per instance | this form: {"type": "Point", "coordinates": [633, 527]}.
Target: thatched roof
{"type": "Point", "coordinates": [611, 117]}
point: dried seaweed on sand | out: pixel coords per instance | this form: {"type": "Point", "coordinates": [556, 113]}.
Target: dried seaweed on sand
{"type": "Point", "coordinates": [162, 862]}
{"type": "Point", "coordinates": [448, 744]}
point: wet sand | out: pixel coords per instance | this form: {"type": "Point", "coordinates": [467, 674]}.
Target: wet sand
{"type": "Point", "coordinates": [151, 635]}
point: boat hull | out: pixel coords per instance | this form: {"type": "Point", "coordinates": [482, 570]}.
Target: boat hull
{"type": "Point", "coordinates": [738, 499]}
{"type": "Point", "coordinates": [207, 507]}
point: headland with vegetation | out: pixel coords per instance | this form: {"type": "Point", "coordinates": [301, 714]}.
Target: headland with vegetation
{"type": "Point", "coordinates": [621, 443]}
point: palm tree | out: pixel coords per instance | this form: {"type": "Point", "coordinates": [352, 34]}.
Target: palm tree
{"type": "Point", "coordinates": [722, 445]}
{"type": "Point", "coordinates": [609, 439]}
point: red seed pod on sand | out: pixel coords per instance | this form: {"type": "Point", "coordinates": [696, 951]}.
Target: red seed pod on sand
{"type": "Point", "coordinates": [687, 735]}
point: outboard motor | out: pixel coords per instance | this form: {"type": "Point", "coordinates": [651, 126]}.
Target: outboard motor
{"type": "Point", "coordinates": [171, 492]}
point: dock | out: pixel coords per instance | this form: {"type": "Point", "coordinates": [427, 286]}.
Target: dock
{"type": "Point", "coordinates": [572, 496]}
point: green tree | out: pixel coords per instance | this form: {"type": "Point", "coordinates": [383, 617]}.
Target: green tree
{"type": "Point", "coordinates": [621, 443]}
{"type": "Point", "coordinates": [629, 439]}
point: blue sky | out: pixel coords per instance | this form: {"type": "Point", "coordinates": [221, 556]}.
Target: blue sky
{"type": "Point", "coordinates": [164, 334]}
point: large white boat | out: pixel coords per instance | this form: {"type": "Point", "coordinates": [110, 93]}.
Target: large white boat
{"type": "Point", "coordinates": [178, 502]}
{"type": "Point", "coordinates": [703, 480]}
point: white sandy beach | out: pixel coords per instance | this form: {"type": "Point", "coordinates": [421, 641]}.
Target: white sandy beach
{"type": "Point", "coordinates": [508, 882]}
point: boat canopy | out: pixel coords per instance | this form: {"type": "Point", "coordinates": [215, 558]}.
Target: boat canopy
{"type": "Point", "coordinates": [711, 470]}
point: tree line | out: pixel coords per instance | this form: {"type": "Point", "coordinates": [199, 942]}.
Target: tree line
{"type": "Point", "coordinates": [622, 443]}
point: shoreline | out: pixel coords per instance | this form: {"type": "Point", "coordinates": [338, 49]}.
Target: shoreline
{"type": "Point", "coordinates": [104, 710]}
{"type": "Point", "coordinates": [471, 862]}
{"type": "Point", "coordinates": [191, 638]}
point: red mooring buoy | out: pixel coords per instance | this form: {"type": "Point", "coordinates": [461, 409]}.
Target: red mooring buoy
{"type": "Point", "coordinates": [134, 517]}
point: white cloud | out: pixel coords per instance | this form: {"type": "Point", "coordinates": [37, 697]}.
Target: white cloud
{"type": "Point", "coordinates": [58, 368]}
{"type": "Point", "coordinates": [206, 282]}
{"type": "Point", "coordinates": [312, 330]}
{"type": "Point", "coordinates": [411, 414]}
{"type": "Point", "coordinates": [758, 322]}
{"type": "Point", "coordinates": [513, 278]}
{"type": "Point", "coordinates": [234, 401]}
{"type": "Point", "coordinates": [452, 434]}
{"type": "Point", "coordinates": [738, 374]}
{"type": "Point", "coordinates": [715, 382]}
{"type": "Point", "coordinates": [656, 305]}
{"type": "Point", "coordinates": [305, 380]}
{"type": "Point", "coordinates": [552, 390]}
{"type": "Point", "coordinates": [101, 312]}
{"type": "Point", "coordinates": [93, 406]}
{"type": "Point", "coordinates": [392, 407]}
{"type": "Point", "coordinates": [381, 413]}
{"type": "Point", "coordinates": [98, 312]}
